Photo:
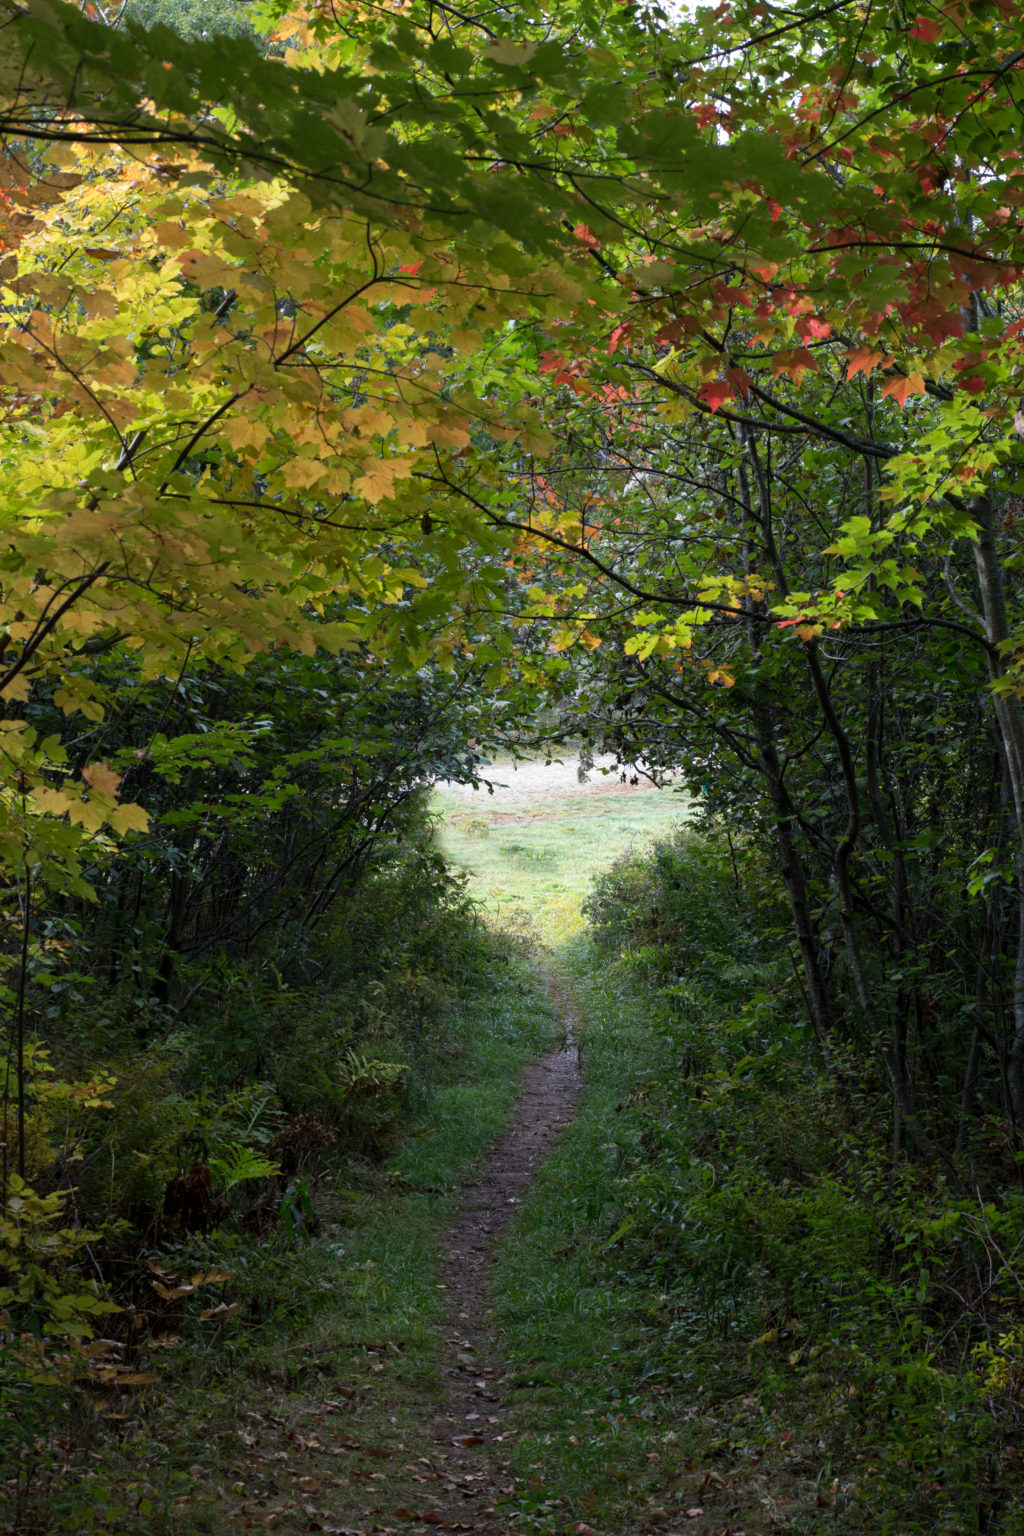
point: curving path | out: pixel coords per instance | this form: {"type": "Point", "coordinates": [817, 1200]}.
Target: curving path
{"type": "Point", "coordinates": [466, 1458]}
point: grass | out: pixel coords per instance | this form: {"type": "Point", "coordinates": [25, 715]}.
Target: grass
{"type": "Point", "coordinates": [593, 1422]}
{"type": "Point", "coordinates": [633, 1414]}
{"type": "Point", "coordinates": [531, 855]}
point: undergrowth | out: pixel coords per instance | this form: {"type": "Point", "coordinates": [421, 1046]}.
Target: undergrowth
{"type": "Point", "coordinates": [229, 1216]}
{"type": "Point", "coordinates": [725, 1301]}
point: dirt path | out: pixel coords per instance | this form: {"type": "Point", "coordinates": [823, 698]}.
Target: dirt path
{"type": "Point", "coordinates": [471, 1423]}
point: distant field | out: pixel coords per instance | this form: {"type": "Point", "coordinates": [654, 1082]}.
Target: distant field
{"type": "Point", "coordinates": [533, 846]}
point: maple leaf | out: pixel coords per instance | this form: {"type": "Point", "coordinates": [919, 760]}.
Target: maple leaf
{"type": "Point", "coordinates": [587, 236]}
{"type": "Point", "coordinates": [102, 778]}
{"type": "Point", "coordinates": [865, 360]}
{"type": "Point", "coordinates": [927, 31]}
{"type": "Point", "coordinates": [812, 329]}
{"type": "Point", "coordinates": [739, 378]}
{"type": "Point", "coordinates": [129, 818]}
{"type": "Point", "coordinates": [937, 327]}
{"type": "Point", "coordinates": [19, 688]}
{"type": "Point", "coordinates": [795, 362]}
{"type": "Point", "coordinates": [376, 483]}
{"type": "Point", "coordinates": [715, 393]}
{"type": "Point", "coordinates": [902, 387]}
{"type": "Point", "coordinates": [620, 337]}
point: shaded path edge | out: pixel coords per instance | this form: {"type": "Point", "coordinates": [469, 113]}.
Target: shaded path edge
{"type": "Point", "coordinates": [472, 1419]}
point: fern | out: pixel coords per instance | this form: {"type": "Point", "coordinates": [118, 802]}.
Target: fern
{"type": "Point", "coordinates": [239, 1164]}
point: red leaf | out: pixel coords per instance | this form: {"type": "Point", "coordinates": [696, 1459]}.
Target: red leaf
{"type": "Point", "coordinates": [715, 393]}
{"type": "Point", "coordinates": [813, 330]}
{"type": "Point", "coordinates": [590, 240]}
{"type": "Point", "coordinates": [619, 337]}
{"type": "Point", "coordinates": [926, 30]}
{"type": "Point", "coordinates": [412, 269]}
{"type": "Point", "coordinates": [739, 378]}
{"type": "Point", "coordinates": [669, 334]}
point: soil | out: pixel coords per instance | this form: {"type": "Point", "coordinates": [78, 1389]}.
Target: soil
{"type": "Point", "coordinates": [472, 1421]}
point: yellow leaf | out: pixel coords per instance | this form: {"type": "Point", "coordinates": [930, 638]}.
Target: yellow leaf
{"type": "Point", "coordinates": [129, 818]}
{"type": "Point", "coordinates": [102, 778]}
{"type": "Point", "coordinates": [301, 473]}
{"type": "Point", "coordinates": [376, 483]}
{"type": "Point", "coordinates": [52, 802]}
{"type": "Point", "coordinates": [244, 432]}
{"type": "Point", "coordinates": [18, 688]}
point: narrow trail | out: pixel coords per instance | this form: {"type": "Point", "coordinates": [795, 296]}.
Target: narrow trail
{"type": "Point", "coordinates": [472, 1421]}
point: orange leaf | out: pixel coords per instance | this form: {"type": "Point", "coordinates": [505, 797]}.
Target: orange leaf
{"type": "Point", "coordinates": [795, 362]}
{"type": "Point", "coordinates": [102, 778]}
{"type": "Point", "coordinates": [865, 360]}
{"type": "Point", "coordinates": [901, 387]}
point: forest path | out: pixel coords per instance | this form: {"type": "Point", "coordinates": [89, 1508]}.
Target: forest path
{"type": "Point", "coordinates": [464, 1471]}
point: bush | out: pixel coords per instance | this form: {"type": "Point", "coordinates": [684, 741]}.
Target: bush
{"type": "Point", "coordinates": [758, 1200]}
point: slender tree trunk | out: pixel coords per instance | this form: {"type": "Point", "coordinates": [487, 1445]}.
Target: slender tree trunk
{"type": "Point", "coordinates": [794, 875]}
{"type": "Point", "coordinates": [1008, 711]}
{"type": "Point", "coordinates": [1010, 719]}
{"type": "Point", "coordinates": [903, 1099]}
{"type": "Point", "coordinates": [794, 878]}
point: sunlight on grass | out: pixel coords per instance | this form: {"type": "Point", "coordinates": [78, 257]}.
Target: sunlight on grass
{"type": "Point", "coordinates": [533, 846]}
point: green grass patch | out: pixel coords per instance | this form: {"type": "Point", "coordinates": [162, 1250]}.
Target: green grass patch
{"type": "Point", "coordinates": [593, 1419]}
{"type": "Point", "coordinates": [532, 852]}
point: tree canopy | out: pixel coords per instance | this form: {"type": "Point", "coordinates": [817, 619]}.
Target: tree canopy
{"type": "Point", "coordinates": [672, 363]}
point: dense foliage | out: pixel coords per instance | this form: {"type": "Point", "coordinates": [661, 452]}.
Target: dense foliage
{"type": "Point", "coordinates": [849, 1325]}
